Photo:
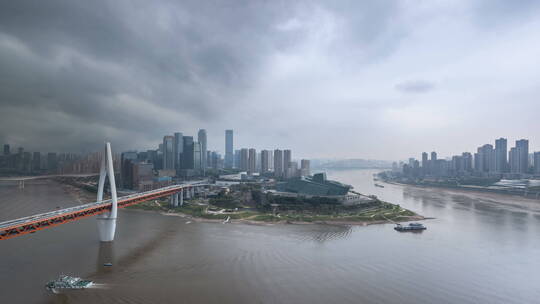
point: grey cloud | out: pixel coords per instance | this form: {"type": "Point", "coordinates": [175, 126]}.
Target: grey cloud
{"type": "Point", "coordinates": [416, 86]}
{"type": "Point", "coordinates": [76, 73]}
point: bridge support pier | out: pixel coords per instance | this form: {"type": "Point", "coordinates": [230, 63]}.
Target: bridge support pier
{"type": "Point", "coordinates": [21, 184]}
{"type": "Point", "coordinates": [174, 200]}
{"type": "Point", "coordinates": [181, 197]}
{"type": "Point", "coordinates": [106, 222]}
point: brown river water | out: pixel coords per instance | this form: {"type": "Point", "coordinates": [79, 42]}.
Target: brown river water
{"type": "Point", "coordinates": [480, 248]}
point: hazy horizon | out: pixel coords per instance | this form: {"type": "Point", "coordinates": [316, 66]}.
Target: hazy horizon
{"type": "Point", "coordinates": [383, 80]}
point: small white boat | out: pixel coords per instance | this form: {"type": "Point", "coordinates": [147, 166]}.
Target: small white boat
{"type": "Point", "coordinates": [227, 220]}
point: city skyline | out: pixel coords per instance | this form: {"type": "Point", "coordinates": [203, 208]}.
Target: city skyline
{"type": "Point", "coordinates": [379, 80]}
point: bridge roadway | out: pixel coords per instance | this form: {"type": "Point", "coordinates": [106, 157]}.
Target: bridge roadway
{"type": "Point", "coordinates": [24, 178]}
{"type": "Point", "coordinates": [33, 223]}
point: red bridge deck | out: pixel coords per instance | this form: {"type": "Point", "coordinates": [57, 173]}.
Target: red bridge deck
{"type": "Point", "coordinates": [37, 222]}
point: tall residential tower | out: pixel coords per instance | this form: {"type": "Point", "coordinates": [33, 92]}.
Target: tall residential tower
{"type": "Point", "coordinates": [229, 157]}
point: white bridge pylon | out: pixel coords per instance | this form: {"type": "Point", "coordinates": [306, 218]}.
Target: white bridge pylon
{"type": "Point", "coordinates": [106, 222]}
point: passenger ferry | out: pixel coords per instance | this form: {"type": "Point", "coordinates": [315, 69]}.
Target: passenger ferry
{"type": "Point", "coordinates": [65, 282]}
{"type": "Point", "coordinates": [410, 227]}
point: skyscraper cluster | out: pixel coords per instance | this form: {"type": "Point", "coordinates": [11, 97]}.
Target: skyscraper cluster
{"type": "Point", "coordinates": [277, 163]}
{"type": "Point", "coordinates": [35, 163]}
{"type": "Point", "coordinates": [488, 160]}
{"type": "Point", "coordinates": [177, 156]}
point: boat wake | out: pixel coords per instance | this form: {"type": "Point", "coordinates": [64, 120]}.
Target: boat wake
{"type": "Point", "coordinates": [99, 286]}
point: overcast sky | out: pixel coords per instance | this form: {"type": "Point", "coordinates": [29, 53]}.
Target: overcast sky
{"type": "Point", "coordinates": [357, 79]}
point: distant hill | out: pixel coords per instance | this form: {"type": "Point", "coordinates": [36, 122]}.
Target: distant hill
{"type": "Point", "coordinates": [350, 164]}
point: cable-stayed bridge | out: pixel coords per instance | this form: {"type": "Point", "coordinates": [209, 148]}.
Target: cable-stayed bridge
{"type": "Point", "coordinates": [106, 209]}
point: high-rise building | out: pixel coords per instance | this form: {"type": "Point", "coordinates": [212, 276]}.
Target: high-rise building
{"type": "Point", "coordinates": [197, 157]}
{"type": "Point", "coordinates": [127, 159]}
{"type": "Point", "coordinates": [252, 162]}
{"type": "Point", "coordinates": [467, 161]}
{"type": "Point", "coordinates": [237, 159]}
{"type": "Point", "coordinates": [304, 167]}
{"type": "Point", "coordinates": [519, 157]}
{"type": "Point", "coordinates": [258, 164]}
{"type": "Point", "coordinates": [433, 156]}
{"type": "Point", "coordinates": [6, 149]}
{"type": "Point", "coordinates": [271, 160]}
{"type": "Point", "coordinates": [513, 160]}
{"type": "Point", "coordinates": [201, 137]}
{"type": "Point", "coordinates": [433, 163]}
{"type": "Point", "coordinates": [52, 162]}
{"type": "Point", "coordinates": [485, 160]}
{"type": "Point", "coordinates": [168, 155]}
{"type": "Point", "coordinates": [278, 163]}
{"type": "Point", "coordinates": [265, 161]}
{"type": "Point", "coordinates": [244, 159]}
{"type": "Point", "coordinates": [287, 159]}
{"type": "Point", "coordinates": [188, 159]}
{"type": "Point", "coordinates": [292, 171]}
{"type": "Point", "coordinates": [536, 159]}
{"type": "Point", "coordinates": [229, 147]}
{"type": "Point", "coordinates": [143, 174]}
{"type": "Point", "coordinates": [501, 155]}
{"type": "Point", "coordinates": [178, 149]}
{"type": "Point", "coordinates": [36, 161]}
{"type": "Point", "coordinates": [522, 147]}
{"type": "Point", "coordinates": [425, 162]}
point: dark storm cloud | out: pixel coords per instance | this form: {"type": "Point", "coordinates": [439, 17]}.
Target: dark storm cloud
{"type": "Point", "coordinates": [76, 73]}
{"type": "Point", "coordinates": [107, 65]}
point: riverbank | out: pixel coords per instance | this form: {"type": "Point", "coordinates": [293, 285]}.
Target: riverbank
{"type": "Point", "coordinates": [383, 214]}
{"type": "Point", "coordinates": [533, 195]}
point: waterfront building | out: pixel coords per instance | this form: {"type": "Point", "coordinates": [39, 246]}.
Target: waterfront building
{"type": "Point", "coordinates": [244, 159]}
{"type": "Point", "coordinates": [52, 163]}
{"type": "Point", "coordinates": [278, 163]}
{"type": "Point", "coordinates": [433, 163]}
{"type": "Point", "coordinates": [513, 160]}
{"type": "Point", "coordinates": [168, 156]}
{"type": "Point", "coordinates": [36, 162]}
{"type": "Point", "coordinates": [265, 161]}
{"type": "Point", "coordinates": [178, 149]}
{"type": "Point", "coordinates": [501, 153]}
{"type": "Point", "coordinates": [6, 149]}
{"type": "Point", "coordinates": [485, 160]}
{"type": "Point", "coordinates": [467, 159]}
{"type": "Point", "coordinates": [536, 162]}
{"type": "Point", "coordinates": [317, 185]}
{"type": "Point", "coordinates": [201, 137]}
{"type": "Point", "coordinates": [252, 161]}
{"type": "Point", "coordinates": [457, 164]}
{"type": "Point", "coordinates": [519, 157]}
{"type": "Point", "coordinates": [229, 147]}
{"type": "Point", "coordinates": [522, 146]}
{"type": "Point", "coordinates": [425, 163]}
{"type": "Point", "coordinates": [304, 167]}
